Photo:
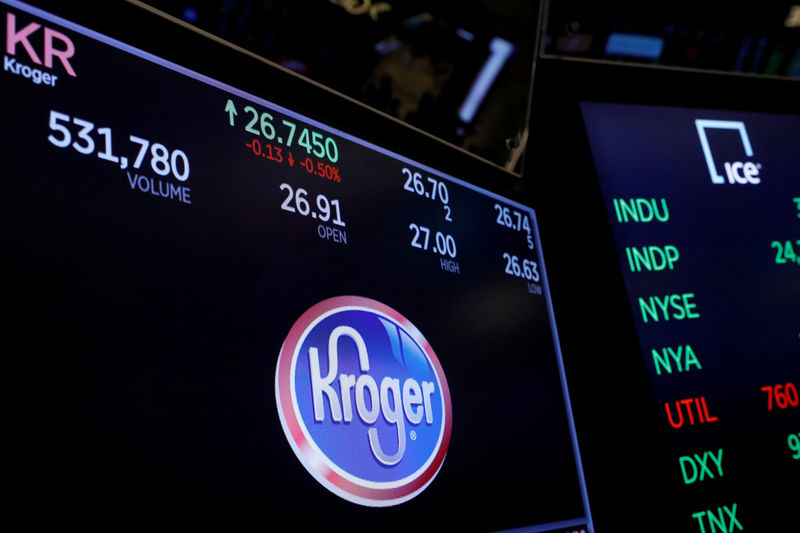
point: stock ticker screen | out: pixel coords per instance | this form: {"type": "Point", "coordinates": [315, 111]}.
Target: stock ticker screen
{"type": "Point", "coordinates": [218, 308]}
{"type": "Point", "coordinates": [705, 210]}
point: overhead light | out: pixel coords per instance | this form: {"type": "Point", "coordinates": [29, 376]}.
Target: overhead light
{"type": "Point", "coordinates": [464, 34]}
{"type": "Point", "coordinates": [793, 18]}
{"type": "Point", "coordinates": [501, 50]}
{"type": "Point", "coordinates": [626, 44]}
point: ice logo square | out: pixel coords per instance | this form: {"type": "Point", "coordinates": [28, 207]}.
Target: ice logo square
{"type": "Point", "coordinates": [737, 172]}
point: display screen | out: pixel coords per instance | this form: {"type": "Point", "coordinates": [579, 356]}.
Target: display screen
{"type": "Point", "coordinates": [220, 309]}
{"type": "Point", "coordinates": [704, 206]}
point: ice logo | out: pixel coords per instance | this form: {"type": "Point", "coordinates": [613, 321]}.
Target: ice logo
{"type": "Point", "coordinates": [737, 172]}
{"type": "Point", "coordinates": [363, 401]}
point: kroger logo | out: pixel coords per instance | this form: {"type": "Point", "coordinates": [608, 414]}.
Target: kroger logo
{"type": "Point", "coordinates": [41, 48]}
{"type": "Point", "coordinates": [363, 401]}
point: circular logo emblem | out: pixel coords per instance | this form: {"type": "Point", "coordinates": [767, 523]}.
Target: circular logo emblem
{"type": "Point", "coordinates": [363, 401]}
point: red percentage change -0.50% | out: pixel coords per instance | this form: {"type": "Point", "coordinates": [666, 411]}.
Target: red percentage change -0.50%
{"type": "Point", "coordinates": [323, 170]}
{"type": "Point", "coordinates": [275, 153]}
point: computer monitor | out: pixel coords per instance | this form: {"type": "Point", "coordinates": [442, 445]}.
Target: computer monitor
{"type": "Point", "coordinates": [236, 298]}
{"type": "Point", "coordinates": [674, 192]}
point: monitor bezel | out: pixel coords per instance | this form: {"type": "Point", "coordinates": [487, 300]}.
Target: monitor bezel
{"type": "Point", "coordinates": [626, 455]}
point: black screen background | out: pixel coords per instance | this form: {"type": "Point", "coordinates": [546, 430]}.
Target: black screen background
{"type": "Point", "coordinates": [143, 333]}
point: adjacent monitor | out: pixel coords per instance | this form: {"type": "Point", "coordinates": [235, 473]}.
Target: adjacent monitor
{"type": "Point", "coordinates": [221, 310]}
{"type": "Point", "coordinates": [676, 195]}
{"type": "Point", "coordinates": [704, 205]}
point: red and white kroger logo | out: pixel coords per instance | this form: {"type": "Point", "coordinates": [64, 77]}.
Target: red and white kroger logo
{"type": "Point", "coordinates": [363, 401]}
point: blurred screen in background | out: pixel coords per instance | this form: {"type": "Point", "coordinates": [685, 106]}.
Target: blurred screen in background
{"type": "Point", "coordinates": [458, 70]}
